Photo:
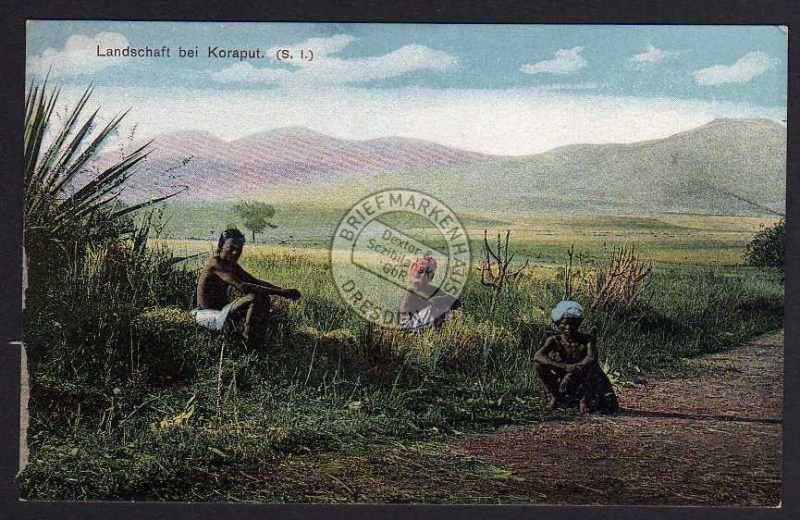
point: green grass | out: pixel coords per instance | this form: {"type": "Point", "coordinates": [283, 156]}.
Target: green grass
{"type": "Point", "coordinates": [332, 409]}
{"type": "Point", "coordinates": [542, 238]}
{"type": "Point", "coordinates": [299, 224]}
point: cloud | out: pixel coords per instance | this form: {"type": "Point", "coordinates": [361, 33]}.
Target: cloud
{"type": "Point", "coordinates": [79, 56]}
{"type": "Point", "coordinates": [650, 56]}
{"type": "Point", "coordinates": [746, 68]}
{"type": "Point", "coordinates": [567, 61]}
{"type": "Point", "coordinates": [408, 58]}
{"type": "Point", "coordinates": [328, 70]}
{"type": "Point", "coordinates": [570, 86]}
{"type": "Point", "coordinates": [244, 72]}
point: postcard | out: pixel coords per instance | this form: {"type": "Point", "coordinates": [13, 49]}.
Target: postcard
{"type": "Point", "coordinates": [348, 263]}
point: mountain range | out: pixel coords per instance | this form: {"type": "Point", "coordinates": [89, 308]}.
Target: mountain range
{"type": "Point", "coordinates": [214, 169]}
{"type": "Point", "coordinates": [728, 166]}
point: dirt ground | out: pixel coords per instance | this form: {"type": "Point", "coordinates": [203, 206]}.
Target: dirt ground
{"type": "Point", "coordinates": [712, 438]}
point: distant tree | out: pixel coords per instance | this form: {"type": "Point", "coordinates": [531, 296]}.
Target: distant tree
{"type": "Point", "coordinates": [256, 215]}
{"type": "Point", "coordinates": [767, 247]}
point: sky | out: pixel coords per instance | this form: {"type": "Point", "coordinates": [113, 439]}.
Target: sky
{"type": "Point", "coordinates": [497, 89]}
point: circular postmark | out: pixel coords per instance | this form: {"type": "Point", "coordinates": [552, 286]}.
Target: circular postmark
{"type": "Point", "coordinates": [400, 258]}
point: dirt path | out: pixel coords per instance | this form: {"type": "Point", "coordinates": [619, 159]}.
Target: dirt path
{"type": "Point", "coordinates": [709, 439]}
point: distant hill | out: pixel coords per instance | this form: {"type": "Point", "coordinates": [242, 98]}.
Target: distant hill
{"type": "Point", "coordinates": [703, 170]}
{"type": "Point", "coordinates": [218, 169]}
{"type": "Point", "coordinates": [707, 170]}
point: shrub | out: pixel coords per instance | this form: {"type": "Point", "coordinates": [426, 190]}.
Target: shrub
{"type": "Point", "coordinates": [88, 324]}
{"type": "Point", "coordinates": [616, 283]}
{"type": "Point", "coordinates": [767, 248]}
{"type": "Point", "coordinates": [89, 267]}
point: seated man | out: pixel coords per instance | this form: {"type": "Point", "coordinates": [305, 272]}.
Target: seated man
{"type": "Point", "coordinates": [425, 304]}
{"type": "Point", "coordinates": [222, 272]}
{"type": "Point", "coordinates": [567, 365]}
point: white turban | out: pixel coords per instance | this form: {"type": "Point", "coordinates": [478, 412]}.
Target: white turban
{"type": "Point", "coordinates": [567, 309]}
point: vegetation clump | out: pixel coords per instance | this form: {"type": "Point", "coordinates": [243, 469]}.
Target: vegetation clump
{"type": "Point", "coordinates": [768, 246]}
{"type": "Point", "coordinates": [495, 273]}
{"type": "Point", "coordinates": [90, 270]}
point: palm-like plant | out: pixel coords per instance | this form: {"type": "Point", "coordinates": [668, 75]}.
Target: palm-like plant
{"type": "Point", "coordinates": [89, 269]}
{"type": "Point", "coordinates": [50, 213]}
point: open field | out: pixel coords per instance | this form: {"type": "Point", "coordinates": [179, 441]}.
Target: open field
{"type": "Point", "coordinates": [543, 239]}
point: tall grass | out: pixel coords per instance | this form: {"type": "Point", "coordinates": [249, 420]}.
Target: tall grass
{"type": "Point", "coordinates": [162, 403]}
{"type": "Point", "coordinates": [682, 312]}
{"type": "Point", "coordinates": [88, 329]}
{"type": "Point", "coordinates": [130, 384]}
{"type": "Point", "coordinates": [89, 268]}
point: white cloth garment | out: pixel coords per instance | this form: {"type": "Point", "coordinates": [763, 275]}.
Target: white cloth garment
{"type": "Point", "coordinates": [567, 309]}
{"type": "Point", "coordinates": [211, 318]}
{"type": "Point", "coordinates": [417, 320]}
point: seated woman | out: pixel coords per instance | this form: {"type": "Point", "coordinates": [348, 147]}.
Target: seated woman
{"type": "Point", "coordinates": [223, 272]}
{"type": "Point", "coordinates": [567, 365]}
{"type": "Point", "coordinates": [424, 304]}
